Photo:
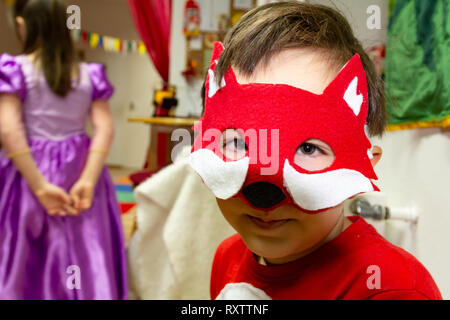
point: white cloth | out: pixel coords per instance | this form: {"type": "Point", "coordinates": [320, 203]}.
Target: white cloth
{"type": "Point", "coordinates": [179, 227]}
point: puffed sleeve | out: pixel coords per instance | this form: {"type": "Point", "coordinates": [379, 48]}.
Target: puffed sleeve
{"type": "Point", "coordinates": [102, 88]}
{"type": "Point", "coordinates": [12, 79]}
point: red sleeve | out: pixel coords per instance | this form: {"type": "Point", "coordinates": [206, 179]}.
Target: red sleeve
{"type": "Point", "coordinates": [218, 269]}
{"type": "Point", "coordinates": [223, 257]}
{"type": "Point", "coordinates": [409, 294]}
{"type": "Point", "coordinates": [213, 281]}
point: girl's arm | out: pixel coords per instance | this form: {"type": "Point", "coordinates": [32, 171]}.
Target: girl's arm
{"type": "Point", "coordinates": [103, 125]}
{"type": "Point", "coordinates": [15, 144]}
{"type": "Point", "coordinates": [102, 139]}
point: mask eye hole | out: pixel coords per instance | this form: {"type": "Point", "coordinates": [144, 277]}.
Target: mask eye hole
{"type": "Point", "coordinates": [232, 145]}
{"type": "Point", "coordinates": [313, 155]}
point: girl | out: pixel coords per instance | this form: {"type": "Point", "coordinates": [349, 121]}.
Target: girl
{"type": "Point", "coordinates": [60, 228]}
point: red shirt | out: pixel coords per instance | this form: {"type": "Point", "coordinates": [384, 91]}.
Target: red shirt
{"type": "Point", "coordinates": [357, 264]}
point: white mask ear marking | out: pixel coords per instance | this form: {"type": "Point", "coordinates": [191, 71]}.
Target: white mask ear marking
{"type": "Point", "coordinates": [213, 88]}
{"type": "Point", "coordinates": [224, 179]}
{"type": "Point", "coordinates": [323, 190]}
{"type": "Point", "coordinates": [369, 151]}
{"type": "Point", "coordinates": [353, 100]}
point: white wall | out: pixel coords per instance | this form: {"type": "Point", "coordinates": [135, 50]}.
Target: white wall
{"type": "Point", "coordinates": [414, 172]}
{"type": "Point", "coordinates": [133, 76]}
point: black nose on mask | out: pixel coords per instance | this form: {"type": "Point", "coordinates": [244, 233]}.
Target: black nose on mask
{"type": "Point", "coordinates": [263, 194]}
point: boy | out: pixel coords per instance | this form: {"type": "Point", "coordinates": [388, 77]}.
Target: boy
{"type": "Point", "coordinates": [293, 81]}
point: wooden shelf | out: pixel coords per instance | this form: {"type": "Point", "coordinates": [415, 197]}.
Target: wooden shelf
{"type": "Point", "coordinates": [161, 145]}
{"type": "Point", "coordinates": [166, 121]}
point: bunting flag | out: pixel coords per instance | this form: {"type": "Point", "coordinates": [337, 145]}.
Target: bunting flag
{"type": "Point", "coordinates": [110, 44]}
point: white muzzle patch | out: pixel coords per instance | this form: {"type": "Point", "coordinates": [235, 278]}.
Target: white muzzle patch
{"type": "Point", "coordinates": [225, 179]}
{"type": "Point", "coordinates": [317, 191]}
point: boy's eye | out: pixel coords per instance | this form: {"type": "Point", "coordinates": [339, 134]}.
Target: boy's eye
{"type": "Point", "coordinates": [307, 148]}
{"type": "Point", "coordinates": [233, 145]}
{"type": "Point", "coordinates": [314, 154]}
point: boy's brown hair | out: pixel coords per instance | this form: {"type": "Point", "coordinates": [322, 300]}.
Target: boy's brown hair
{"type": "Point", "coordinates": [269, 29]}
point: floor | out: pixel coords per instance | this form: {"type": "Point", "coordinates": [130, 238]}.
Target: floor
{"type": "Point", "coordinates": [117, 173]}
{"type": "Point", "coordinates": [128, 219]}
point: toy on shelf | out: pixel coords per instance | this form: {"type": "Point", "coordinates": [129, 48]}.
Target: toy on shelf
{"type": "Point", "coordinates": [165, 102]}
{"type": "Point", "coordinates": [191, 26]}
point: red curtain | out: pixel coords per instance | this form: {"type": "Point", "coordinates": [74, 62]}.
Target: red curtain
{"type": "Point", "coordinates": [152, 19]}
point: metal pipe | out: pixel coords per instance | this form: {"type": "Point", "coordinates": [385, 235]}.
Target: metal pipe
{"type": "Point", "coordinates": [363, 208]}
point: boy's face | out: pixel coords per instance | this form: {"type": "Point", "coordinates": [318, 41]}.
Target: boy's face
{"type": "Point", "coordinates": [285, 233]}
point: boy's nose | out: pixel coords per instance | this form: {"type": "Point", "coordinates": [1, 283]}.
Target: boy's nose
{"type": "Point", "coordinates": [263, 194]}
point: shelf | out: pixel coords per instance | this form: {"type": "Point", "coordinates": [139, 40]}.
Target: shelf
{"type": "Point", "coordinates": [166, 121]}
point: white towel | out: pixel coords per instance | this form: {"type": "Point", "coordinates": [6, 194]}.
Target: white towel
{"type": "Point", "coordinates": [179, 227]}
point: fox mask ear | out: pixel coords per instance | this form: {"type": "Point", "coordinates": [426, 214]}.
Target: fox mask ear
{"type": "Point", "coordinates": [229, 78]}
{"type": "Point", "coordinates": [350, 85]}
{"type": "Point", "coordinates": [211, 83]}
{"type": "Point", "coordinates": [216, 53]}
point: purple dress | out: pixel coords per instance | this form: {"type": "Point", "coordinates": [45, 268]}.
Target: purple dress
{"type": "Point", "coordinates": [54, 257]}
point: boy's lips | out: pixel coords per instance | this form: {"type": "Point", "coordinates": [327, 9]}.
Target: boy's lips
{"type": "Point", "coordinates": [266, 223]}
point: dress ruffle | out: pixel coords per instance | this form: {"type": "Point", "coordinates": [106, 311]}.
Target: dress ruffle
{"type": "Point", "coordinates": [12, 79]}
{"type": "Point", "coordinates": [102, 88]}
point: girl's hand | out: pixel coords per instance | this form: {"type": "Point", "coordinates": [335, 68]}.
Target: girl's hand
{"type": "Point", "coordinates": [82, 193]}
{"type": "Point", "coordinates": [54, 200]}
